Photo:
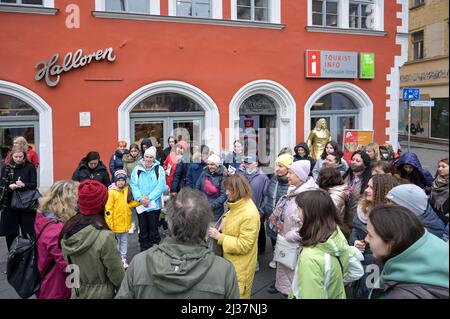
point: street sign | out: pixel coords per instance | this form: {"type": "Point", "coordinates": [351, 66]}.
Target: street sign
{"type": "Point", "coordinates": [411, 94]}
{"type": "Point", "coordinates": [422, 103]}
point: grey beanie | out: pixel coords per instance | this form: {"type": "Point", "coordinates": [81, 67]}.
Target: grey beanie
{"type": "Point", "coordinates": [409, 196]}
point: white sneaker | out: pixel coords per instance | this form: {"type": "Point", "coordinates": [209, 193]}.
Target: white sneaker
{"type": "Point", "coordinates": [257, 267]}
{"type": "Point", "coordinates": [133, 227]}
{"type": "Point", "coordinates": [124, 263]}
{"type": "Point", "coordinates": [273, 264]}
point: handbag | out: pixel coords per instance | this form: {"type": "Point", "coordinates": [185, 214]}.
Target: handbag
{"type": "Point", "coordinates": [286, 252]}
{"type": "Point", "coordinates": [26, 199]}
{"type": "Point", "coordinates": [212, 243]}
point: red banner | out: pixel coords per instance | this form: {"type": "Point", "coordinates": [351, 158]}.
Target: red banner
{"type": "Point", "coordinates": [355, 140]}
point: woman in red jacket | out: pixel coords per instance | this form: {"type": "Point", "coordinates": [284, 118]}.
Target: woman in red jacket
{"type": "Point", "coordinates": [56, 207]}
{"type": "Point", "coordinates": [31, 154]}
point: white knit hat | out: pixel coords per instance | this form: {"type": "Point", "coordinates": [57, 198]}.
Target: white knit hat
{"type": "Point", "coordinates": [150, 151]}
{"type": "Point", "coordinates": [214, 158]}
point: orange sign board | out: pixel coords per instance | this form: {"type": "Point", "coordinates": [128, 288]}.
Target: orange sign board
{"type": "Point", "coordinates": [355, 140]}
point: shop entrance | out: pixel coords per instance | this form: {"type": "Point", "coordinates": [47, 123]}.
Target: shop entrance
{"type": "Point", "coordinates": [167, 114]}
{"type": "Point", "coordinates": [339, 111]}
{"type": "Point", "coordinates": [257, 127]}
{"type": "Point", "coordinates": [17, 118]}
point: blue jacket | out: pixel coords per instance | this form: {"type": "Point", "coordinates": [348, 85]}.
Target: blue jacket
{"type": "Point", "coordinates": [193, 173]}
{"type": "Point", "coordinates": [413, 160]}
{"type": "Point", "coordinates": [432, 222]}
{"type": "Point", "coordinates": [116, 162]}
{"type": "Point", "coordinates": [145, 183]}
{"type": "Point", "coordinates": [217, 201]}
{"type": "Point", "coordinates": [259, 183]}
{"type": "Point", "coordinates": [179, 178]}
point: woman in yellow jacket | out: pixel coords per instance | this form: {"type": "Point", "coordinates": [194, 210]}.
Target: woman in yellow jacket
{"type": "Point", "coordinates": [118, 211]}
{"type": "Point", "coordinates": [238, 232]}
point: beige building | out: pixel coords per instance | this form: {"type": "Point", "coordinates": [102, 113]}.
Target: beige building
{"type": "Point", "coordinates": [427, 68]}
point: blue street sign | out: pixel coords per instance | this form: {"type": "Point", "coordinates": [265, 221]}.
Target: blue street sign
{"type": "Point", "coordinates": [411, 94]}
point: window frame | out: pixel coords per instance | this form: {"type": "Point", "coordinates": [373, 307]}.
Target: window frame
{"type": "Point", "coordinates": [359, 16]}
{"type": "Point", "coordinates": [420, 43]}
{"type": "Point", "coordinates": [324, 13]}
{"type": "Point", "coordinates": [126, 7]}
{"type": "Point", "coordinates": [253, 12]}
{"type": "Point", "coordinates": [45, 4]}
{"type": "Point", "coordinates": [193, 5]}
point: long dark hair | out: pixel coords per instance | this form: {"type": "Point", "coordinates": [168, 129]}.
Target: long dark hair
{"type": "Point", "coordinates": [366, 175]}
{"type": "Point", "coordinates": [397, 227]}
{"type": "Point", "coordinates": [335, 147]}
{"type": "Point", "coordinates": [79, 221]}
{"type": "Point", "coordinates": [320, 218]}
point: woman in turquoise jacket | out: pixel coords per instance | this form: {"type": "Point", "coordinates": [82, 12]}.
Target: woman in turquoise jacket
{"type": "Point", "coordinates": [416, 264]}
{"type": "Point", "coordinates": [148, 183]}
{"type": "Point", "coordinates": [324, 260]}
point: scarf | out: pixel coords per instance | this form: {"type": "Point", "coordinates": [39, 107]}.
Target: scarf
{"type": "Point", "coordinates": [439, 192]}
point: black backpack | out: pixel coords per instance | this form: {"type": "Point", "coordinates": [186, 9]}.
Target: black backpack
{"type": "Point", "coordinates": [22, 265]}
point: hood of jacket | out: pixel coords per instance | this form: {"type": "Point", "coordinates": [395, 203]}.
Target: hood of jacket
{"type": "Point", "coordinates": [424, 262]}
{"type": "Point", "coordinates": [127, 158]}
{"type": "Point", "coordinates": [43, 219]}
{"type": "Point", "coordinates": [81, 241]}
{"type": "Point", "coordinates": [119, 154]}
{"type": "Point", "coordinates": [411, 159]}
{"type": "Point", "coordinates": [337, 246]}
{"type": "Point", "coordinates": [100, 167]}
{"type": "Point", "coordinates": [305, 147]}
{"type": "Point", "coordinates": [309, 185]}
{"type": "Point", "coordinates": [176, 267]}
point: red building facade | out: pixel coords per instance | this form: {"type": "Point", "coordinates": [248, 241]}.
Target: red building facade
{"type": "Point", "coordinates": [201, 69]}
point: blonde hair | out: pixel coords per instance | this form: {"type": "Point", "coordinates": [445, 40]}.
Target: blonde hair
{"type": "Point", "coordinates": [21, 141]}
{"type": "Point", "coordinates": [61, 199]}
{"type": "Point", "coordinates": [374, 147]}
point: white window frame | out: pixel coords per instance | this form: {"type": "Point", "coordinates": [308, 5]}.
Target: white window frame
{"type": "Point", "coordinates": [252, 12]}
{"type": "Point", "coordinates": [193, 4]}
{"type": "Point", "coordinates": [359, 15]}
{"type": "Point", "coordinates": [154, 5]}
{"type": "Point", "coordinates": [45, 4]}
{"type": "Point", "coordinates": [421, 46]}
{"type": "Point", "coordinates": [343, 19]}
{"type": "Point", "coordinates": [274, 12]}
{"type": "Point", "coordinates": [216, 9]}
{"type": "Point", "coordinates": [324, 13]}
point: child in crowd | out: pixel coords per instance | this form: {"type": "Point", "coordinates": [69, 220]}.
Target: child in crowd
{"type": "Point", "coordinates": [118, 211]}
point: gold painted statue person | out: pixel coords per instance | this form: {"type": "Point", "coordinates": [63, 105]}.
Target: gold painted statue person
{"type": "Point", "coordinates": [318, 138]}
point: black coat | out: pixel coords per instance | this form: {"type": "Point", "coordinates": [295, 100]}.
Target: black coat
{"type": "Point", "coordinates": [83, 172]}
{"type": "Point", "coordinates": [12, 219]}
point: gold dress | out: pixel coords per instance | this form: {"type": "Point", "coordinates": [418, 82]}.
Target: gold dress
{"type": "Point", "coordinates": [317, 140]}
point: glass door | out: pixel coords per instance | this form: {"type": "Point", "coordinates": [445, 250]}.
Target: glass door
{"type": "Point", "coordinates": [344, 122]}
{"type": "Point", "coordinates": [189, 130]}
{"type": "Point", "coordinates": [153, 129]}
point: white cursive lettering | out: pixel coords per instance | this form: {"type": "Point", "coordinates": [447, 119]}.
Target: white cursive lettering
{"type": "Point", "coordinates": [49, 70]}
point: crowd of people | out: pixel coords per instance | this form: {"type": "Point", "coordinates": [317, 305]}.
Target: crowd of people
{"type": "Point", "coordinates": [335, 223]}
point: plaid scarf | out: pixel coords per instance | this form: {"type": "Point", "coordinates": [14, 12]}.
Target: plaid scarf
{"type": "Point", "coordinates": [439, 192]}
{"type": "Point", "coordinates": [6, 179]}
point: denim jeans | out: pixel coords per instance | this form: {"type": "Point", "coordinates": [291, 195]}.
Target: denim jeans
{"type": "Point", "coordinates": [122, 239]}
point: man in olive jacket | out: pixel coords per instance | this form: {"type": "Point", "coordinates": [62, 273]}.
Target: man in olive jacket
{"type": "Point", "coordinates": [182, 266]}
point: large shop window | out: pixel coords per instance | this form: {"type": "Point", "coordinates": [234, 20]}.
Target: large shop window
{"type": "Point", "coordinates": [339, 111]}
{"type": "Point", "coordinates": [131, 6]}
{"type": "Point", "coordinates": [167, 114]}
{"type": "Point", "coordinates": [17, 118]}
{"type": "Point", "coordinates": [253, 10]}
{"type": "Point", "coordinates": [325, 13]}
{"type": "Point", "coordinates": [440, 118]}
{"type": "Point", "coordinates": [194, 8]}
{"type": "Point", "coordinates": [27, 2]}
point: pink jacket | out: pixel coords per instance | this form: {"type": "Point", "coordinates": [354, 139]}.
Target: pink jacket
{"type": "Point", "coordinates": [290, 229]}
{"type": "Point", "coordinates": [54, 284]}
